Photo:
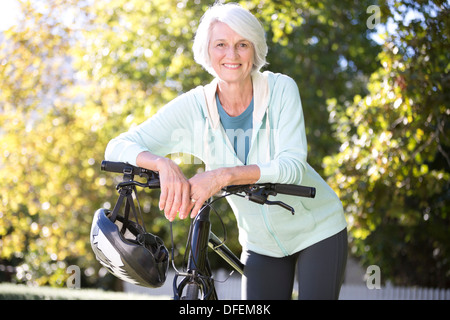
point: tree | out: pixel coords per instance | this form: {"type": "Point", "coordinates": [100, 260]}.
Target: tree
{"type": "Point", "coordinates": [66, 91]}
{"type": "Point", "coordinates": [34, 234]}
{"type": "Point", "coordinates": [76, 74]}
{"type": "Point", "coordinates": [327, 48]}
{"type": "Point", "coordinates": [392, 171]}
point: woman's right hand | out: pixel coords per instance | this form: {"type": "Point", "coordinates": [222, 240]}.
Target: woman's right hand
{"type": "Point", "coordinates": [175, 188]}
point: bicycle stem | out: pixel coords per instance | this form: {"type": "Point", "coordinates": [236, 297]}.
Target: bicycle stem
{"type": "Point", "coordinates": [199, 241]}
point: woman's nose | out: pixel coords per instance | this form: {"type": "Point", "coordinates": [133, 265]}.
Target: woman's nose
{"type": "Point", "coordinates": [232, 52]}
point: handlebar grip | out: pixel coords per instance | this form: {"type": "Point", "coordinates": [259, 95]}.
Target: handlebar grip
{"type": "Point", "coordinates": [295, 190]}
{"type": "Point", "coordinates": [118, 167]}
{"type": "Point", "coordinates": [125, 168]}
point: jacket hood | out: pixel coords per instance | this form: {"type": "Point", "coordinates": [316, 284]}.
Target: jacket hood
{"type": "Point", "coordinates": [261, 95]}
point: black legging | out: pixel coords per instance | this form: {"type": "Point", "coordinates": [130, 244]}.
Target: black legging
{"type": "Point", "coordinates": [320, 272]}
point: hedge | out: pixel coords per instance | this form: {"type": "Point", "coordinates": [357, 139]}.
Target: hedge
{"type": "Point", "coordinates": [9, 291]}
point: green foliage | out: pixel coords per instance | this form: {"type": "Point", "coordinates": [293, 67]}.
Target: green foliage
{"type": "Point", "coordinates": [326, 47]}
{"type": "Point", "coordinates": [75, 74]}
{"type": "Point", "coordinates": [392, 170]}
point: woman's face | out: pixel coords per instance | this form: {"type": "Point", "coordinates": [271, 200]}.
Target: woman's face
{"type": "Point", "coordinates": [231, 55]}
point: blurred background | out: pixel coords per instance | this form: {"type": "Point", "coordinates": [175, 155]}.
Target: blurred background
{"type": "Point", "coordinates": [375, 87]}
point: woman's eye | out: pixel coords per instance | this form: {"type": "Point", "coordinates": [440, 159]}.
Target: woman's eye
{"type": "Point", "coordinates": [243, 45]}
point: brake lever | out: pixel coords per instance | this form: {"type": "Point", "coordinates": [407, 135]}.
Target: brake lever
{"type": "Point", "coordinates": [130, 183]}
{"type": "Point", "coordinates": [260, 195]}
{"type": "Point", "coordinates": [148, 184]}
{"type": "Point", "coordinates": [281, 204]}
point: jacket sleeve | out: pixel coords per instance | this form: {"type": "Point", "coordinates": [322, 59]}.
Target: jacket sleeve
{"type": "Point", "coordinates": [168, 131]}
{"type": "Point", "coordinates": [288, 146]}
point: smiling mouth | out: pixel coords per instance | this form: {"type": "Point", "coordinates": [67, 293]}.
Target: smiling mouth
{"type": "Point", "coordinates": [231, 65]}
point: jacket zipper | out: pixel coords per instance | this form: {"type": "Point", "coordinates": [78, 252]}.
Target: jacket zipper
{"type": "Point", "coordinates": [266, 222]}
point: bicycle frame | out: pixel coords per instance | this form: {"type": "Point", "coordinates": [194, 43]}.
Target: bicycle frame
{"type": "Point", "coordinates": [198, 277]}
{"type": "Point", "coordinates": [222, 250]}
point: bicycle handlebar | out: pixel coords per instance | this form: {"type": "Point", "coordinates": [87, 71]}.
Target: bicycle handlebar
{"type": "Point", "coordinates": [254, 192]}
{"type": "Point", "coordinates": [274, 189]}
{"type": "Point", "coordinates": [122, 167]}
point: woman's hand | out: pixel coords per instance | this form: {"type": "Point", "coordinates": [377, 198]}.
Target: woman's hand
{"type": "Point", "coordinates": [203, 186]}
{"type": "Point", "coordinates": [175, 190]}
{"type": "Point", "coordinates": [206, 184]}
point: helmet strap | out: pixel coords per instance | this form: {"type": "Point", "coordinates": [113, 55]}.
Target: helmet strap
{"type": "Point", "coordinates": [127, 193]}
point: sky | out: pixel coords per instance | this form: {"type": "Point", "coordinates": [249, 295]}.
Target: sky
{"type": "Point", "coordinates": [9, 11]}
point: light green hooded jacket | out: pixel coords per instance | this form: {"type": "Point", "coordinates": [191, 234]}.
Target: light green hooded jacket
{"type": "Point", "coordinates": [191, 124]}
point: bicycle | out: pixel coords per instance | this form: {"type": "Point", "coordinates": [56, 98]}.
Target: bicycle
{"type": "Point", "coordinates": [197, 281]}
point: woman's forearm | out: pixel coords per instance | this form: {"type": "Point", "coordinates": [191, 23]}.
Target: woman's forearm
{"type": "Point", "coordinates": [149, 161]}
{"type": "Point", "coordinates": [239, 175]}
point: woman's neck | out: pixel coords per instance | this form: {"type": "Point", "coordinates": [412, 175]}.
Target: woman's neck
{"type": "Point", "coordinates": [235, 97]}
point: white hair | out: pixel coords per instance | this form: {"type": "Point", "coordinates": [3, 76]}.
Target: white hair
{"type": "Point", "coordinates": [241, 21]}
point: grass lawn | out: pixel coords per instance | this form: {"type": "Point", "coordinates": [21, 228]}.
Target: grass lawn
{"type": "Point", "coordinates": [9, 291]}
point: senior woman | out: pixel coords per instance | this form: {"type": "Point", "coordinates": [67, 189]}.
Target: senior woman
{"type": "Point", "coordinates": [247, 127]}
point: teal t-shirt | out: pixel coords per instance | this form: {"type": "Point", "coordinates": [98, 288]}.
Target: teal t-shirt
{"type": "Point", "coordinates": [238, 129]}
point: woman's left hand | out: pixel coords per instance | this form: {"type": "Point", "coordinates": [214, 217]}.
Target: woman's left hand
{"type": "Point", "coordinates": [203, 186]}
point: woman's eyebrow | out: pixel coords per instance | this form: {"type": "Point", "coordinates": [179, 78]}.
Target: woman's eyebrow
{"type": "Point", "coordinates": [225, 40]}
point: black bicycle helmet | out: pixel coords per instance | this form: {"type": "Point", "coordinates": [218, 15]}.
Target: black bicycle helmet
{"type": "Point", "coordinates": [127, 251]}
